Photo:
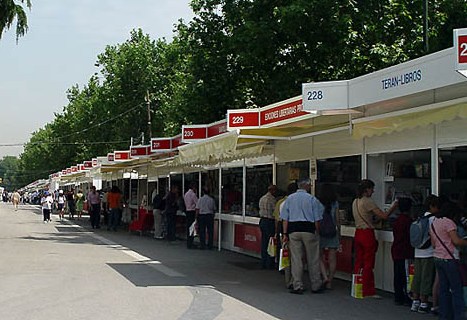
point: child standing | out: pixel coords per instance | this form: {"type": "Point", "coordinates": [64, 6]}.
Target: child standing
{"type": "Point", "coordinates": [401, 250]}
{"type": "Point", "coordinates": [422, 285]}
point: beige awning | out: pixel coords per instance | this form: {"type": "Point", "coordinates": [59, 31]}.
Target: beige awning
{"type": "Point", "coordinates": [409, 120]}
{"type": "Point", "coordinates": [225, 147]}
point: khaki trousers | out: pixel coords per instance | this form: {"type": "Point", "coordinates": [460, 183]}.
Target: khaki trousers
{"type": "Point", "coordinates": [305, 243]}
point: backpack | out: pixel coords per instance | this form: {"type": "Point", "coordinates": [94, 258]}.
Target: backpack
{"type": "Point", "coordinates": [420, 232]}
{"type": "Point", "coordinates": [327, 226]}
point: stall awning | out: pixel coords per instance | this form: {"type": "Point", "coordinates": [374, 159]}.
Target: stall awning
{"type": "Point", "coordinates": [225, 147]}
{"type": "Point", "coordinates": [298, 129]}
{"type": "Point", "coordinates": [418, 117]}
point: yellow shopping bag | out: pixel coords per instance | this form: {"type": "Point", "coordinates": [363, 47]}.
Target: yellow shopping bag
{"type": "Point", "coordinates": [357, 286]}
{"type": "Point", "coordinates": [272, 247]}
{"type": "Point", "coordinates": [284, 259]}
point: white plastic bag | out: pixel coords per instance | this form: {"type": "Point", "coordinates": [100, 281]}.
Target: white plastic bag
{"type": "Point", "coordinates": [193, 229]}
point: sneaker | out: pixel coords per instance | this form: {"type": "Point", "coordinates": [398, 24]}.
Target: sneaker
{"type": "Point", "coordinates": [435, 310]}
{"type": "Point", "coordinates": [424, 308]}
{"type": "Point", "coordinates": [415, 305]}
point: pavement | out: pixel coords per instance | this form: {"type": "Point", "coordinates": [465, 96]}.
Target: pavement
{"type": "Point", "coordinates": [66, 270]}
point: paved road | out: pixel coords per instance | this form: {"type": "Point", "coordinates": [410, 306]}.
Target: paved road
{"type": "Point", "coordinates": [64, 270]}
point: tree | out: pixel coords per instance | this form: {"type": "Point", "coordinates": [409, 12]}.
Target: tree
{"type": "Point", "coordinates": [9, 173]}
{"type": "Point", "coordinates": [10, 11]}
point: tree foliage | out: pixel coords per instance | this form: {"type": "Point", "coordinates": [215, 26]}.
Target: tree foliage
{"type": "Point", "coordinates": [11, 10]}
{"type": "Point", "coordinates": [232, 54]}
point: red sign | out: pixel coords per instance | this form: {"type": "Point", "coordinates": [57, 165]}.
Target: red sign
{"type": "Point", "coordinates": [94, 162]}
{"type": "Point", "coordinates": [195, 132]}
{"type": "Point", "coordinates": [82, 167]}
{"type": "Point", "coordinates": [74, 169]}
{"type": "Point", "coordinates": [137, 151]}
{"type": "Point", "coordinates": [110, 157]}
{"type": "Point", "coordinates": [248, 237]}
{"type": "Point", "coordinates": [63, 172]}
{"type": "Point", "coordinates": [282, 112]}
{"type": "Point", "coordinates": [176, 142]}
{"type": "Point", "coordinates": [160, 144]}
{"type": "Point", "coordinates": [217, 129]}
{"type": "Point", "coordinates": [462, 48]}
{"type": "Point", "coordinates": [68, 170]}
{"type": "Point", "coordinates": [242, 118]}
{"type": "Point", "coordinates": [88, 164]}
{"type": "Point", "coordinates": [121, 155]}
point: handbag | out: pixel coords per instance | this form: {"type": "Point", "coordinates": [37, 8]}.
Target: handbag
{"type": "Point", "coordinates": [272, 247]}
{"type": "Point", "coordinates": [462, 267]}
{"type": "Point", "coordinates": [357, 285]}
{"type": "Point", "coordinates": [284, 259]}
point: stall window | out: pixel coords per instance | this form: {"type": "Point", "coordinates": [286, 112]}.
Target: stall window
{"type": "Point", "coordinates": [210, 180]}
{"type": "Point", "coordinates": [291, 172]}
{"type": "Point", "coordinates": [152, 186]}
{"type": "Point", "coordinates": [453, 175]}
{"type": "Point", "coordinates": [344, 174]}
{"type": "Point", "coordinates": [401, 174]}
{"type": "Point", "coordinates": [258, 179]}
{"type": "Point", "coordinates": [143, 192]}
{"type": "Point", "coordinates": [189, 178]}
{"type": "Point", "coordinates": [232, 186]}
{"type": "Point", "coordinates": [134, 192]}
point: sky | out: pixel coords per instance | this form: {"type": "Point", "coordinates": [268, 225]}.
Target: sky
{"type": "Point", "coordinates": [60, 50]}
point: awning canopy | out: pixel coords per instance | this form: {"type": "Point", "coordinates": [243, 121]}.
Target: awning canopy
{"type": "Point", "coordinates": [297, 129]}
{"type": "Point", "coordinates": [411, 118]}
{"type": "Point", "coordinates": [225, 147]}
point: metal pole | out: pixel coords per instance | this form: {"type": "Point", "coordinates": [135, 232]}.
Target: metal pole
{"type": "Point", "coordinates": [148, 103]}
{"type": "Point", "coordinates": [425, 26]}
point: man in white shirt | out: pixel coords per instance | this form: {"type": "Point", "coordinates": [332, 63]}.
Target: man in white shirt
{"type": "Point", "coordinates": [47, 202]}
{"type": "Point", "coordinates": [205, 214]}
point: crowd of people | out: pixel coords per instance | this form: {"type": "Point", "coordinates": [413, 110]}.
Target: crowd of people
{"type": "Point", "coordinates": [308, 226]}
{"type": "Point", "coordinates": [302, 222]}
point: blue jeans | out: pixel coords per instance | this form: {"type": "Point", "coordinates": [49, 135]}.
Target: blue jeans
{"type": "Point", "coordinates": [451, 301]}
{"type": "Point", "coordinates": [114, 219]}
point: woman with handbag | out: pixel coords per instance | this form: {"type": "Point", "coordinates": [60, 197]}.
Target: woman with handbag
{"type": "Point", "coordinates": [444, 239]}
{"type": "Point", "coordinates": [364, 209]}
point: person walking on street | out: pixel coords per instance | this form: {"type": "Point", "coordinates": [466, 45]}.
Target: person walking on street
{"type": "Point", "coordinates": [70, 201]}
{"type": "Point", "coordinates": [300, 216]}
{"type": "Point", "coordinates": [79, 201]}
{"type": "Point", "coordinates": [205, 214]}
{"type": "Point", "coordinates": [47, 202]}
{"type": "Point", "coordinates": [267, 224]}
{"type": "Point", "coordinates": [94, 201]}
{"type": "Point", "coordinates": [364, 209]}
{"type": "Point", "coordinates": [15, 198]}
{"type": "Point", "coordinates": [191, 199]}
{"type": "Point", "coordinates": [61, 204]}
{"type": "Point", "coordinates": [114, 201]}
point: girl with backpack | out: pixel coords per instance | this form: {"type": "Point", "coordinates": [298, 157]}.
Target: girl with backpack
{"type": "Point", "coordinates": [329, 240]}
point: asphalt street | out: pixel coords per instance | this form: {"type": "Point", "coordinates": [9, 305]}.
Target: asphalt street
{"type": "Point", "coordinates": [65, 270]}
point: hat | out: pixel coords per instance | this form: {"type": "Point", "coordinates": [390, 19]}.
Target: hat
{"type": "Point", "coordinates": [60, 191]}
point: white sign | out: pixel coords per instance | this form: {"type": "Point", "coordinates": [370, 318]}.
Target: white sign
{"type": "Point", "coordinates": [325, 96]}
{"type": "Point", "coordinates": [460, 48]}
{"type": "Point", "coordinates": [415, 76]}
